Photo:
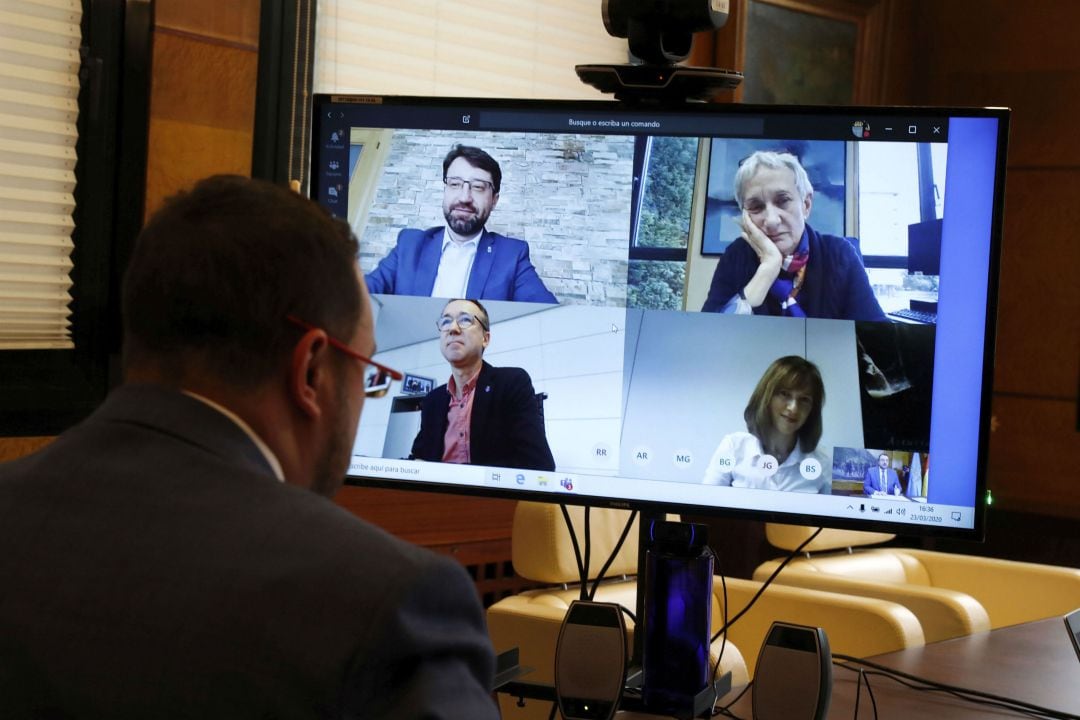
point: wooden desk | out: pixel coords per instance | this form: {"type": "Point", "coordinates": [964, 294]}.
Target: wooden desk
{"type": "Point", "coordinates": [1034, 662]}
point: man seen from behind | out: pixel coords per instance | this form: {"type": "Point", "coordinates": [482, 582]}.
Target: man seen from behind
{"type": "Point", "coordinates": [176, 555]}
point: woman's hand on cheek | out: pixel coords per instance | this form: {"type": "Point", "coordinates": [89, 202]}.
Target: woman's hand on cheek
{"type": "Point", "coordinates": [765, 249]}
{"type": "Point", "coordinates": [769, 258]}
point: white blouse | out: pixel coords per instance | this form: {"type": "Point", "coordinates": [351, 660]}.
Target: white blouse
{"type": "Point", "coordinates": [740, 461]}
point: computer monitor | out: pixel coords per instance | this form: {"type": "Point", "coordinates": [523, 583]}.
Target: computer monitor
{"type": "Point", "coordinates": [924, 247]}
{"type": "Point", "coordinates": [668, 366]}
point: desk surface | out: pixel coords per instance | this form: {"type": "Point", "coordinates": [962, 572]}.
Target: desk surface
{"type": "Point", "coordinates": [1034, 662]}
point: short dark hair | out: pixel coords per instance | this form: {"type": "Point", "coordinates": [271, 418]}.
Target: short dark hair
{"type": "Point", "coordinates": [485, 319]}
{"type": "Point", "coordinates": [791, 372]}
{"type": "Point", "coordinates": [478, 159]}
{"type": "Point", "coordinates": [217, 269]}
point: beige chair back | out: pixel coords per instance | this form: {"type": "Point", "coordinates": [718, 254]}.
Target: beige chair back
{"type": "Point", "coordinates": [789, 537]}
{"type": "Point", "coordinates": [855, 625]}
{"type": "Point", "coordinates": [541, 549]}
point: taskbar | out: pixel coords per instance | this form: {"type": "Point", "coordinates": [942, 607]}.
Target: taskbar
{"type": "Point", "coordinates": [880, 508]}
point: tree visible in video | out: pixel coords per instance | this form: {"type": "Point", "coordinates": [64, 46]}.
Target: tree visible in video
{"type": "Point", "coordinates": [656, 284]}
{"type": "Point", "coordinates": [664, 222]}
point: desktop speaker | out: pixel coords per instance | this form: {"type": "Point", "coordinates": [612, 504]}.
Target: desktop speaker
{"type": "Point", "coordinates": [793, 679]}
{"type": "Point", "coordinates": [590, 661]}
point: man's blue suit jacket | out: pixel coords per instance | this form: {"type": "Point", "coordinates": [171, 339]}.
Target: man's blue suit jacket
{"type": "Point", "coordinates": [501, 271]}
{"type": "Point", "coordinates": [872, 481]}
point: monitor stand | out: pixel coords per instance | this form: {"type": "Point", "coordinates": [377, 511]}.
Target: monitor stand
{"type": "Point", "coordinates": [632, 699]}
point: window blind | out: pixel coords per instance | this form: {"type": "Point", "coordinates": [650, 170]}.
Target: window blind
{"type": "Point", "coordinates": [479, 48]}
{"type": "Point", "coordinates": [39, 88]}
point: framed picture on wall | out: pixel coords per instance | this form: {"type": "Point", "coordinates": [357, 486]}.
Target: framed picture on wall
{"type": "Point", "coordinates": [813, 52]}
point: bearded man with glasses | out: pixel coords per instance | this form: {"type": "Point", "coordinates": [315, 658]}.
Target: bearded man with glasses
{"type": "Point", "coordinates": [177, 554]}
{"type": "Point", "coordinates": [484, 415]}
{"type": "Point", "coordinates": [462, 258]}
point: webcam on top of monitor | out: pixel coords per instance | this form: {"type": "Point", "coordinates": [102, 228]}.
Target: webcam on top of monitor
{"type": "Point", "coordinates": [660, 34]}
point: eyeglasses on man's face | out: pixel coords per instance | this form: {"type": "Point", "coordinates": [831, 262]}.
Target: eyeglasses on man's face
{"type": "Point", "coordinates": [455, 184]}
{"type": "Point", "coordinates": [464, 322]}
{"type": "Point", "coordinates": [377, 379]}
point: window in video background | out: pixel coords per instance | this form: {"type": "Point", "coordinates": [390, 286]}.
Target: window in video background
{"type": "Point", "coordinates": [665, 171]}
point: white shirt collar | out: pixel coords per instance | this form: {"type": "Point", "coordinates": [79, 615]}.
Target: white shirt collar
{"type": "Point", "coordinates": [271, 458]}
{"type": "Point", "coordinates": [449, 235]}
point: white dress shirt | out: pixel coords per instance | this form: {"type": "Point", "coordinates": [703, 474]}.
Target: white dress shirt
{"type": "Point", "coordinates": [455, 265]}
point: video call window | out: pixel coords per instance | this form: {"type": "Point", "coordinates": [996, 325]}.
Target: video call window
{"type": "Point", "coordinates": [637, 221]}
{"type": "Point", "coordinates": [656, 202]}
{"type": "Point", "coordinates": [825, 162]}
{"type": "Point", "coordinates": [627, 231]}
{"type": "Point", "coordinates": [886, 199]}
{"type": "Point", "coordinates": [567, 196]}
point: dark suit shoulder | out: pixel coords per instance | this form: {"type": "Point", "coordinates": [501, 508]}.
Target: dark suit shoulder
{"type": "Point", "coordinates": [201, 559]}
{"type": "Point", "coordinates": [435, 398]}
{"type": "Point", "coordinates": [504, 373]}
{"type": "Point", "coordinates": [507, 380]}
{"type": "Point", "coordinates": [329, 541]}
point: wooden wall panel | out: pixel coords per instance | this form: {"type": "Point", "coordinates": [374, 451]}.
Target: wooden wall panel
{"type": "Point", "coordinates": [993, 36]}
{"type": "Point", "coordinates": [203, 83]}
{"type": "Point", "coordinates": [183, 153]}
{"type": "Point", "coordinates": [236, 21]}
{"type": "Point", "coordinates": [1038, 343]}
{"type": "Point", "coordinates": [430, 518]}
{"type": "Point", "coordinates": [474, 531]}
{"type": "Point", "coordinates": [202, 103]}
{"type": "Point", "coordinates": [988, 52]}
{"type": "Point", "coordinates": [1033, 463]}
{"type": "Point", "coordinates": [1043, 104]}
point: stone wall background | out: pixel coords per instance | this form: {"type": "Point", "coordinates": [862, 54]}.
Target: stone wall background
{"type": "Point", "coordinates": [568, 196]}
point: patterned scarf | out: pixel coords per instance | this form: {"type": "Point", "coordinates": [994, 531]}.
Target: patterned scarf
{"type": "Point", "coordinates": [785, 289]}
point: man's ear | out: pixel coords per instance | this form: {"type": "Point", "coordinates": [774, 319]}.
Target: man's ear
{"type": "Point", "coordinates": [808, 201]}
{"type": "Point", "coordinates": [308, 370]}
{"type": "Point", "coordinates": [494, 200]}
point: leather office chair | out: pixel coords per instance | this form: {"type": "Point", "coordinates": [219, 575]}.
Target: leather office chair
{"type": "Point", "coordinates": [541, 551]}
{"type": "Point", "coordinates": [951, 594]}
